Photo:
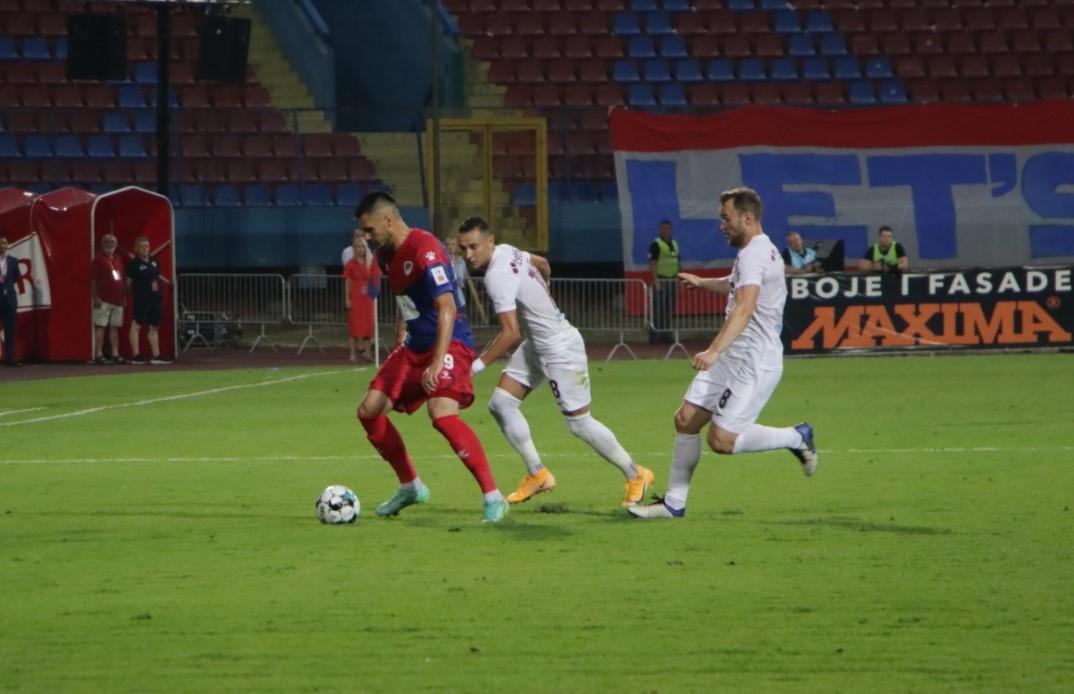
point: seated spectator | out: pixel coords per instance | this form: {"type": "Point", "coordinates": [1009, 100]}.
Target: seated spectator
{"type": "Point", "coordinates": [798, 258]}
{"type": "Point", "coordinates": [887, 255]}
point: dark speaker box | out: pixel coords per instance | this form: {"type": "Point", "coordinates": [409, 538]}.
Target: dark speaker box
{"type": "Point", "coordinates": [96, 47]}
{"type": "Point", "coordinates": [223, 47]}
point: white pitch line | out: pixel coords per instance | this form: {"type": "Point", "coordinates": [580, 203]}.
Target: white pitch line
{"type": "Point", "coordinates": [28, 409]}
{"type": "Point", "coordinates": [448, 456]}
{"type": "Point", "coordinates": [167, 398]}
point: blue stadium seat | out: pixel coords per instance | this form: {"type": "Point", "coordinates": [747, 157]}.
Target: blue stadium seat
{"type": "Point", "coordinates": [751, 70]}
{"type": "Point", "coordinates": [607, 191]}
{"type": "Point", "coordinates": [800, 46]}
{"type": "Point", "coordinates": [892, 92]}
{"type": "Point", "coordinates": [173, 101]}
{"type": "Point", "coordinates": [68, 147]}
{"type": "Point", "coordinates": [37, 146]}
{"type": "Point", "coordinates": [688, 70]}
{"type": "Point", "coordinates": [819, 22]}
{"type": "Point", "coordinates": [9, 147]}
{"type": "Point", "coordinates": [641, 47]}
{"type": "Point", "coordinates": [847, 68]}
{"type": "Point", "coordinates": [833, 45]}
{"type": "Point", "coordinates": [626, 24]}
{"type": "Point", "coordinates": [132, 147]}
{"type": "Point", "coordinates": [720, 70]}
{"type": "Point", "coordinates": [786, 22]}
{"type": "Point", "coordinates": [59, 49]}
{"type": "Point", "coordinates": [641, 95]}
{"type": "Point", "coordinates": [8, 50]}
{"type": "Point", "coordinates": [740, 5]}
{"type": "Point", "coordinates": [775, 4]}
{"type": "Point", "coordinates": [625, 71]}
{"type": "Point", "coordinates": [226, 196]}
{"type": "Point", "coordinates": [145, 120]}
{"type": "Point", "coordinates": [131, 96]}
{"type": "Point", "coordinates": [672, 94]}
{"type": "Point", "coordinates": [100, 188]}
{"type": "Point", "coordinates": [816, 69]}
{"type": "Point", "coordinates": [677, 6]}
{"type": "Point", "coordinates": [256, 195]}
{"type": "Point", "coordinates": [348, 194]}
{"type": "Point", "coordinates": [878, 68]}
{"type": "Point", "coordinates": [317, 194]}
{"type": "Point", "coordinates": [288, 195]}
{"type": "Point", "coordinates": [524, 194]}
{"type": "Point", "coordinates": [861, 92]}
{"type": "Point", "coordinates": [673, 47]}
{"type": "Point", "coordinates": [36, 49]}
{"type": "Point", "coordinates": [115, 122]}
{"type": "Point", "coordinates": [784, 69]}
{"type": "Point", "coordinates": [658, 23]}
{"type": "Point", "coordinates": [100, 147]}
{"type": "Point", "coordinates": [193, 196]}
{"type": "Point", "coordinates": [656, 71]}
{"type": "Point", "coordinates": [644, 5]}
{"type": "Point", "coordinates": [145, 73]}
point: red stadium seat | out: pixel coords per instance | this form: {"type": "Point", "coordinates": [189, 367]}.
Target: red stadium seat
{"type": "Point", "coordinates": [182, 73]}
{"type": "Point", "coordinates": [993, 42]}
{"type": "Point", "coordinates": [81, 121]}
{"type": "Point", "coordinates": [271, 121]}
{"type": "Point", "coordinates": [562, 71]}
{"type": "Point", "coordinates": [194, 96]}
{"type": "Point", "coordinates": [974, 66]}
{"type": "Point", "coordinates": [35, 97]}
{"type": "Point", "coordinates": [1038, 66]}
{"type": "Point", "coordinates": [849, 21]}
{"type": "Point", "coordinates": [227, 146]}
{"type": "Point", "coordinates": [753, 22]}
{"type": "Point", "coordinates": [909, 67]}
{"type": "Point", "coordinates": [531, 71]}
{"type": "Point", "coordinates": [721, 22]}
{"type": "Point", "coordinates": [980, 19]}
{"type": "Point", "coordinates": [1017, 89]}
{"type": "Point", "coordinates": [895, 45]}
{"type": "Point", "coordinates": [927, 43]}
{"type": "Point", "coordinates": [987, 90]}
{"type": "Point", "coordinates": [1058, 41]}
{"type": "Point", "coordinates": [513, 47]}
{"type": "Point", "coordinates": [1053, 88]}
{"type": "Point", "coordinates": [240, 170]}
{"type": "Point", "coordinates": [592, 71]}
{"type": "Point", "coordinates": [546, 47]}
{"type": "Point", "coordinates": [24, 170]}
{"type": "Point", "coordinates": [924, 91]}
{"type": "Point", "coordinates": [734, 94]}
{"type": "Point", "coordinates": [194, 146]}
{"type": "Point", "coordinates": [766, 93]}
{"type": "Point", "coordinates": [67, 96]}
{"type": "Point", "coordinates": [593, 119]}
{"type": "Point", "coordinates": [609, 47]}
{"type": "Point", "coordinates": [705, 47]}
{"type": "Point", "coordinates": [703, 94]}
{"type": "Point", "coordinates": [275, 170]}
{"type": "Point", "coordinates": [830, 93]}
{"type": "Point", "coordinates": [1013, 18]}
{"type": "Point", "coordinates": [225, 96]}
{"type": "Point", "coordinates": [609, 95]}
{"type": "Point", "coordinates": [331, 170]}
{"type": "Point", "coordinates": [85, 171]}
{"type": "Point", "coordinates": [768, 46]}
{"type": "Point", "coordinates": [361, 169]}
{"type": "Point", "coordinates": [317, 144]}
{"type": "Point", "coordinates": [344, 145]}
{"type": "Point", "coordinates": [960, 43]}
{"type": "Point", "coordinates": [883, 21]}
{"type": "Point", "coordinates": [118, 171]}
{"type": "Point", "coordinates": [518, 96]}
{"type": "Point", "coordinates": [52, 25]}
{"type": "Point", "coordinates": [687, 23]}
{"type": "Point", "coordinates": [1006, 66]}
{"type": "Point", "coordinates": [486, 48]}
{"type": "Point", "coordinates": [864, 45]}
{"type": "Point", "coordinates": [598, 23]}
{"type": "Point", "coordinates": [580, 47]}
{"type": "Point", "coordinates": [26, 121]}
{"type": "Point", "coordinates": [955, 91]}
{"type": "Point", "coordinates": [949, 19]}
{"type": "Point", "coordinates": [528, 24]}
{"type": "Point", "coordinates": [257, 146]}
{"type": "Point", "coordinates": [184, 24]}
{"type": "Point", "coordinates": [284, 145]}
{"type": "Point", "coordinates": [799, 93]}
{"type": "Point", "coordinates": [546, 95]}
{"type": "Point", "coordinates": [941, 66]}
{"type": "Point", "coordinates": [502, 72]}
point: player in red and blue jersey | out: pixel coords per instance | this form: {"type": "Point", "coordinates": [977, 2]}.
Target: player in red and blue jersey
{"type": "Point", "coordinates": [431, 366]}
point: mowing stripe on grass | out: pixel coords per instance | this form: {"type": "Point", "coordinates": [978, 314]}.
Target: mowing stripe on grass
{"type": "Point", "coordinates": [166, 398]}
{"type": "Point", "coordinates": [447, 456]}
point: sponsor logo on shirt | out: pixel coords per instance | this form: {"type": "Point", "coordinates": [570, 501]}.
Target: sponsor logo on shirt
{"type": "Point", "coordinates": [439, 276]}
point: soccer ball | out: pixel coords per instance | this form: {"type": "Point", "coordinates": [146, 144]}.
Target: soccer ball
{"type": "Point", "coordinates": [337, 505]}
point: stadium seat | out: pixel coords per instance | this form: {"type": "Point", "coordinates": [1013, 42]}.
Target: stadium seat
{"type": "Point", "coordinates": [625, 71]}
{"type": "Point", "coordinates": [100, 147]}
{"type": "Point", "coordinates": [751, 70]}
{"type": "Point", "coordinates": [131, 96]}
{"type": "Point", "coordinates": [132, 146]}
{"type": "Point", "coordinates": [798, 93]}
{"type": "Point", "coordinates": [609, 95]}
{"type": "Point", "coordinates": [974, 66]}
{"type": "Point", "coordinates": [37, 146]}
{"type": "Point", "coordinates": [784, 69]}
{"type": "Point", "coordinates": [145, 73]}
{"type": "Point", "coordinates": [734, 94]}
{"type": "Point", "coordinates": [36, 49]}
{"type": "Point", "coordinates": [820, 22]}
{"type": "Point", "coordinates": [317, 194]}
{"type": "Point", "coordinates": [720, 70]}
{"type": "Point", "coordinates": [256, 195]}
{"type": "Point", "coordinates": [704, 94]}
{"type": "Point", "coordinates": [626, 24]}
{"type": "Point", "coordinates": [941, 67]}
{"type": "Point", "coordinates": [673, 47]}
{"type": "Point", "coordinates": [878, 68]}
{"type": "Point", "coordinates": [330, 169]}
{"type": "Point", "coordinates": [562, 71]}
{"type": "Point", "coordinates": [658, 24]}
{"type": "Point", "coordinates": [846, 68]}
{"type": "Point", "coordinates": [226, 196]}
{"type": "Point", "coordinates": [656, 71]}
{"type": "Point", "coordinates": [833, 45]}
{"type": "Point", "coordinates": [68, 146]}
{"type": "Point", "coordinates": [8, 50]}
{"type": "Point", "coordinates": [227, 146]}
{"type": "Point", "coordinates": [786, 22]}
{"type": "Point", "coordinates": [688, 70]}
{"type": "Point", "coordinates": [689, 23]}
{"type": "Point", "coordinates": [78, 121]}
{"type": "Point", "coordinates": [115, 122]}
{"type": "Point", "coordinates": [800, 46]}
{"type": "Point", "coordinates": [285, 145]}
{"type": "Point", "coordinates": [816, 69]}
{"type": "Point", "coordinates": [987, 91]}
{"type": "Point", "coordinates": [641, 47]}
{"type": "Point", "coordinates": [892, 92]}
{"type": "Point", "coordinates": [830, 93]}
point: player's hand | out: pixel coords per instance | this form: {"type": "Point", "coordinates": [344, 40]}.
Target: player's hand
{"type": "Point", "coordinates": [703, 361]}
{"type": "Point", "coordinates": [690, 280]}
{"type": "Point", "coordinates": [430, 379]}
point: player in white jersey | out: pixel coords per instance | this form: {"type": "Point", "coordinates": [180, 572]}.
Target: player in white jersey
{"type": "Point", "coordinates": [517, 283]}
{"type": "Point", "coordinates": [742, 367]}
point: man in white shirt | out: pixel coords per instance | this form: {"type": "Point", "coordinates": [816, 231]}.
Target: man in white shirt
{"type": "Point", "coordinates": [742, 367]}
{"type": "Point", "coordinates": [517, 283]}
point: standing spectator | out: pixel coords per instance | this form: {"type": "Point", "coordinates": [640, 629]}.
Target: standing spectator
{"type": "Point", "coordinates": [109, 297]}
{"type": "Point", "coordinates": [664, 268]}
{"type": "Point", "coordinates": [886, 255]}
{"type": "Point", "coordinates": [9, 301]}
{"type": "Point", "coordinates": [362, 279]}
{"type": "Point", "coordinates": [458, 264]}
{"type": "Point", "coordinates": [145, 285]}
{"type": "Point", "coordinates": [798, 258]}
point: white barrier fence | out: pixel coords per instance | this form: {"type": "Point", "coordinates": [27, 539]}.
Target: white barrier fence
{"type": "Point", "coordinates": [615, 308]}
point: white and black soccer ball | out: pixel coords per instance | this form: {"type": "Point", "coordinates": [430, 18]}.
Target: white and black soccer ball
{"type": "Point", "coordinates": [338, 505]}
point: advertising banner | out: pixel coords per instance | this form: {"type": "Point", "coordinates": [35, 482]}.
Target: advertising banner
{"type": "Point", "coordinates": [1011, 307]}
{"type": "Point", "coordinates": [962, 185]}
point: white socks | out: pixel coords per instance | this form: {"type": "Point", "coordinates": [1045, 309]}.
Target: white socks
{"type": "Point", "coordinates": [761, 438]}
{"type": "Point", "coordinates": [601, 439]}
{"type": "Point", "coordinates": [505, 410]}
{"type": "Point", "coordinates": [683, 463]}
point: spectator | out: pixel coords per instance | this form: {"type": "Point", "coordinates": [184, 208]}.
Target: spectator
{"type": "Point", "coordinates": [362, 279]}
{"type": "Point", "coordinates": [798, 258]}
{"type": "Point", "coordinates": [9, 301]}
{"type": "Point", "coordinates": [887, 255]}
{"type": "Point", "coordinates": [145, 285]}
{"type": "Point", "coordinates": [109, 297]}
{"type": "Point", "coordinates": [458, 265]}
{"type": "Point", "coordinates": [664, 268]}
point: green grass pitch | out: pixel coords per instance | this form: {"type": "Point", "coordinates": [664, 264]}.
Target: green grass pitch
{"type": "Point", "coordinates": [172, 546]}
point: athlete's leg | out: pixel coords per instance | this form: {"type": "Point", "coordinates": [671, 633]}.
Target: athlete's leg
{"type": "Point", "coordinates": [373, 414]}
{"type": "Point", "coordinates": [504, 405]}
{"type": "Point", "coordinates": [444, 413]}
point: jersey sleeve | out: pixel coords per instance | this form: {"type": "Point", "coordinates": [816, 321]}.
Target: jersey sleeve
{"type": "Point", "coordinates": [435, 276]}
{"type": "Point", "coordinates": [502, 288]}
{"type": "Point", "coordinates": [750, 269]}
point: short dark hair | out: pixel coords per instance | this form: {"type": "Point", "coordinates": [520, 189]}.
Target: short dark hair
{"type": "Point", "coordinates": [474, 224]}
{"type": "Point", "coordinates": [374, 201]}
{"type": "Point", "coordinates": [884, 228]}
{"type": "Point", "coordinates": [744, 200]}
{"type": "Point", "coordinates": [665, 221]}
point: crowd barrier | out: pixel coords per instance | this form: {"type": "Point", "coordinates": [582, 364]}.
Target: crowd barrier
{"type": "Point", "coordinates": [214, 308]}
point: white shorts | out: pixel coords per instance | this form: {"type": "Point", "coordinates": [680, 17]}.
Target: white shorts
{"type": "Point", "coordinates": [108, 315]}
{"type": "Point", "coordinates": [734, 394]}
{"type": "Point", "coordinates": [567, 371]}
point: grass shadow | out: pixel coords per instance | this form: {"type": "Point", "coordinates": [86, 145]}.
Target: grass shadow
{"type": "Point", "coordinates": [862, 526]}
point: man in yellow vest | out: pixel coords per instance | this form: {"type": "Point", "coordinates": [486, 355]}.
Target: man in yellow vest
{"type": "Point", "coordinates": [887, 255]}
{"type": "Point", "coordinates": [664, 269]}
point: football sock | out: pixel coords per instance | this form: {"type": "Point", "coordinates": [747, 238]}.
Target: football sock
{"type": "Point", "coordinates": [413, 484]}
{"type": "Point", "coordinates": [386, 439]}
{"type": "Point", "coordinates": [494, 495]}
{"type": "Point", "coordinates": [466, 445]}
{"type": "Point", "coordinates": [761, 438]}
{"type": "Point", "coordinates": [683, 463]}
{"type": "Point", "coordinates": [601, 439]}
{"type": "Point", "coordinates": [505, 410]}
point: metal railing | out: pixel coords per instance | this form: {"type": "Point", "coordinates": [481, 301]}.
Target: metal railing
{"type": "Point", "coordinates": [676, 310]}
{"type": "Point", "coordinates": [221, 304]}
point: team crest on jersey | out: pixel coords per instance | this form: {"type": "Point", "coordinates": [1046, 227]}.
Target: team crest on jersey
{"type": "Point", "coordinates": [408, 267]}
{"type": "Point", "coordinates": [430, 256]}
{"type": "Point", "coordinates": [439, 276]}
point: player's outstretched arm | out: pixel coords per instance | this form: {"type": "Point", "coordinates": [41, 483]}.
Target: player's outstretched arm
{"type": "Point", "coordinates": [445, 326]}
{"type": "Point", "coordinates": [508, 337]}
{"type": "Point", "coordinates": [716, 285]}
{"type": "Point", "coordinates": [745, 304]}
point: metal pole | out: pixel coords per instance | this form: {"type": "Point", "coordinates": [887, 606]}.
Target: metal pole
{"type": "Point", "coordinates": [164, 49]}
{"type": "Point", "coordinates": [434, 17]}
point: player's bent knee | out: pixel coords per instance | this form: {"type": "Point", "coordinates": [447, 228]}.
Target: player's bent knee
{"type": "Point", "coordinates": [503, 403]}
